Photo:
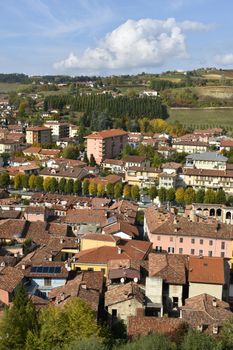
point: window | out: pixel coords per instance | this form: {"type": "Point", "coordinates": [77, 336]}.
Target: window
{"type": "Point", "coordinates": [222, 254]}
{"type": "Point", "coordinates": [114, 312]}
{"type": "Point", "coordinates": [222, 245]}
{"type": "Point", "coordinates": [193, 240]}
{"type": "Point", "coordinates": [201, 241]}
{"type": "Point", "coordinates": [200, 252]}
{"type": "Point", "coordinates": [171, 239]}
{"type": "Point", "coordinates": [158, 248]}
{"type": "Point", "coordinates": [211, 242]}
{"type": "Point", "coordinates": [158, 238]}
{"type": "Point", "coordinates": [90, 269]}
{"type": "Point", "coordinates": [192, 251]}
{"type": "Point", "coordinates": [48, 282]}
{"type": "Point", "coordinates": [171, 249]}
{"type": "Point", "coordinates": [210, 253]}
{"type": "Point", "coordinates": [180, 250]}
{"type": "Point", "coordinates": [103, 270]}
{"type": "Point", "coordinates": [181, 240]}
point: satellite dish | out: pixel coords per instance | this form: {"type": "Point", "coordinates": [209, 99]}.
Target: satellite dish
{"type": "Point", "coordinates": [122, 280]}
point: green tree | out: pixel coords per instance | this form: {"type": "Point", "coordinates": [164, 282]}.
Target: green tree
{"type": "Point", "coordinates": [153, 192]}
{"type": "Point", "coordinates": [171, 195]}
{"type": "Point", "coordinates": [17, 321]}
{"type": "Point", "coordinates": [93, 188]}
{"type": "Point", "coordinates": [24, 180]}
{"type": "Point", "coordinates": [60, 327]}
{"type": "Point", "coordinates": [100, 190]}
{"type": "Point", "coordinates": [85, 158]}
{"type": "Point", "coordinates": [162, 194]}
{"type": "Point", "coordinates": [127, 192]}
{"type": "Point", "coordinates": [18, 181]}
{"type": "Point", "coordinates": [61, 185]}
{"type": "Point", "coordinates": [110, 189]}
{"type": "Point", "coordinates": [118, 188]}
{"type": "Point", "coordinates": [135, 192]}
{"type": "Point", "coordinates": [85, 187]}
{"type": "Point", "coordinates": [155, 341]}
{"type": "Point", "coordinates": [53, 185]}
{"type": "Point", "coordinates": [69, 186]}
{"type": "Point", "coordinates": [210, 196]}
{"type": "Point", "coordinates": [46, 183]}
{"type": "Point", "coordinates": [92, 161]}
{"type": "Point", "coordinates": [77, 189]}
{"type": "Point", "coordinates": [38, 183]}
{"type": "Point", "coordinates": [70, 152]}
{"type": "Point", "coordinates": [4, 180]}
{"type": "Point", "coordinates": [220, 196]}
{"type": "Point", "coordinates": [195, 340]}
{"type": "Point", "coordinates": [226, 334]}
{"type": "Point", "coordinates": [32, 182]}
{"type": "Point", "coordinates": [189, 195]}
{"type": "Point", "coordinates": [200, 195]}
{"type": "Point", "coordinates": [180, 195]}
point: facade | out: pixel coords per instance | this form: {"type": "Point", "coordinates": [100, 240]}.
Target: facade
{"type": "Point", "coordinates": [190, 147]}
{"type": "Point", "coordinates": [106, 144]}
{"type": "Point", "coordinates": [182, 236]}
{"type": "Point", "coordinates": [207, 160]}
{"type": "Point", "coordinates": [9, 146]}
{"type": "Point", "coordinates": [136, 161]}
{"type": "Point", "coordinates": [142, 177]}
{"type": "Point", "coordinates": [38, 134]}
{"type": "Point", "coordinates": [58, 130]}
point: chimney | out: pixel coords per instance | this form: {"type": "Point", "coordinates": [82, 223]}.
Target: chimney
{"type": "Point", "coordinates": [83, 286]}
{"type": "Point", "coordinates": [140, 312]}
{"type": "Point", "coordinates": [23, 266]}
{"type": "Point", "coordinates": [118, 250]}
{"type": "Point", "coordinates": [61, 240]}
{"type": "Point", "coordinates": [214, 302]}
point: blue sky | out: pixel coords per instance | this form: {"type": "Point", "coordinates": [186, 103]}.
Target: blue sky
{"type": "Point", "coordinates": [114, 36]}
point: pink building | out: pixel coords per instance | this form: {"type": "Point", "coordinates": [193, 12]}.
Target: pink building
{"type": "Point", "coordinates": [179, 235]}
{"type": "Point", "coordinates": [106, 144]}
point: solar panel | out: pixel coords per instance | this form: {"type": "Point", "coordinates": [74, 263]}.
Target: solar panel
{"type": "Point", "coordinates": [46, 269]}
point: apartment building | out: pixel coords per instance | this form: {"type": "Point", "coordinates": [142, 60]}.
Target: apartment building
{"type": "Point", "coordinates": [58, 130]}
{"type": "Point", "coordinates": [179, 235]}
{"type": "Point", "coordinates": [190, 146]}
{"type": "Point", "coordinates": [38, 134]}
{"type": "Point", "coordinates": [106, 144]}
{"type": "Point", "coordinates": [142, 177]}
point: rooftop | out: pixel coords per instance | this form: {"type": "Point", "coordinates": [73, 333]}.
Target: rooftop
{"type": "Point", "coordinates": [107, 134]}
{"type": "Point", "coordinates": [207, 156]}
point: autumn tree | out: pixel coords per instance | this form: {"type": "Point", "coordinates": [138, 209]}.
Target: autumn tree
{"type": "Point", "coordinates": [25, 180]}
{"type": "Point", "coordinates": [110, 189]}
{"type": "Point", "coordinates": [162, 194]}
{"type": "Point", "coordinates": [135, 192]}
{"type": "Point", "coordinates": [4, 180]}
{"type": "Point", "coordinates": [85, 187]}
{"type": "Point", "coordinates": [39, 183]}
{"type": "Point", "coordinates": [93, 188]}
{"type": "Point", "coordinates": [171, 194]}
{"type": "Point", "coordinates": [189, 195]}
{"type": "Point", "coordinates": [46, 183]}
{"type": "Point", "coordinates": [118, 188]}
{"type": "Point", "coordinates": [210, 196]}
{"type": "Point", "coordinates": [18, 181]}
{"type": "Point", "coordinates": [180, 195]}
{"type": "Point", "coordinates": [100, 190]}
{"type": "Point", "coordinates": [127, 192]}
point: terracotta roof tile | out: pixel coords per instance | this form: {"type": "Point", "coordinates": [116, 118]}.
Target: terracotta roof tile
{"type": "Point", "coordinates": [206, 270]}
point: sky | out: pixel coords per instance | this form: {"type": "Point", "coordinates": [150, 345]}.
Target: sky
{"type": "Point", "coordinates": [107, 37]}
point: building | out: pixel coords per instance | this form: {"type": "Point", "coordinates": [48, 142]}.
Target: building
{"type": "Point", "coordinates": [9, 146]}
{"type": "Point", "coordinates": [206, 160]}
{"type": "Point", "coordinates": [10, 278]}
{"type": "Point", "coordinates": [106, 144]}
{"type": "Point", "coordinates": [190, 146]}
{"type": "Point", "coordinates": [136, 161]}
{"type": "Point", "coordinates": [58, 130]}
{"type": "Point", "coordinates": [142, 177]}
{"type": "Point", "coordinates": [209, 275]}
{"type": "Point", "coordinates": [116, 166]}
{"type": "Point", "coordinates": [180, 235]}
{"type": "Point", "coordinates": [38, 134]}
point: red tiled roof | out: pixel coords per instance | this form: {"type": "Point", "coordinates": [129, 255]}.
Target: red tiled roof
{"type": "Point", "coordinates": [107, 134]}
{"type": "Point", "coordinates": [206, 270]}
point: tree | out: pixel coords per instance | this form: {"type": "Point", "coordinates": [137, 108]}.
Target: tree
{"type": "Point", "coordinates": [100, 190]}
{"type": "Point", "coordinates": [180, 195]}
{"type": "Point", "coordinates": [195, 340]}
{"type": "Point", "coordinates": [110, 189]}
{"type": "Point", "coordinates": [31, 182]}
{"type": "Point", "coordinates": [92, 161]}
{"type": "Point", "coordinates": [18, 181]}
{"type": "Point", "coordinates": [61, 185]}
{"type": "Point", "coordinates": [24, 181]}
{"type": "Point", "coordinates": [93, 188]}
{"type": "Point", "coordinates": [69, 186]}
{"type": "Point", "coordinates": [220, 196]}
{"type": "Point", "coordinates": [135, 192]}
{"type": "Point", "coordinates": [17, 321]}
{"type": "Point", "coordinates": [70, 152]}
{"type": "Point", "coordinates": [171, 195]}
{"type": "Point", "coordinates": [226, 334]}
{"type": "Point", "coordinates": [60, 327]}
{"type": "Point", "coordinates": [153, 192]}
{"type": "Point", "coordinates": [118, 190]}
{"type": "Point", "coordinates": [210, 196]}
{"type": "Point", "coordinates": [155, 341]}
{"type": "Point", "coordinates": [85, 158]}
{"type": "Point", "coordinates": [87, 344]}
{"type": "Point", "coordinates": [200, 195]}
{"type": "Point", "coordinates": [127, 192]}
{"type": "Point", "coordinates": [46, 183]}
{"type": "Point", "coordinates": [77, 188]}
{"type": "Point", "coordinates": [189, 195]}
{"type": "Point", "coordinates": [85, 187]}
{"type": "Point", "coordinates": [4, 180]}
{"type": "Point", "coordinates": [53, 185]}
{"type": "Point", "coordinates": [162, 194]}
{"type": "Point", "coordinates": [38, 183]}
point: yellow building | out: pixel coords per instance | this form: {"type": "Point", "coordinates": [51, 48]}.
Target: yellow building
{"type": "Point", "coordinates": [142, 177]}
{"type": "Point", "coordinates": [95, 240]}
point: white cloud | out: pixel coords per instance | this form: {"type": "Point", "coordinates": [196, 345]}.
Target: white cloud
{"type": "Point", "coordinates": [135, 44]}
{"type": "Point", "coordinates": [226, 59]}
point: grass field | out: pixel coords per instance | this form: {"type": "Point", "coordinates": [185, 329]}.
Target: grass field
{"type": "Point", "coordinates": [203, 117]}
{"type": "Point", "coordinates": [7, 87]}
